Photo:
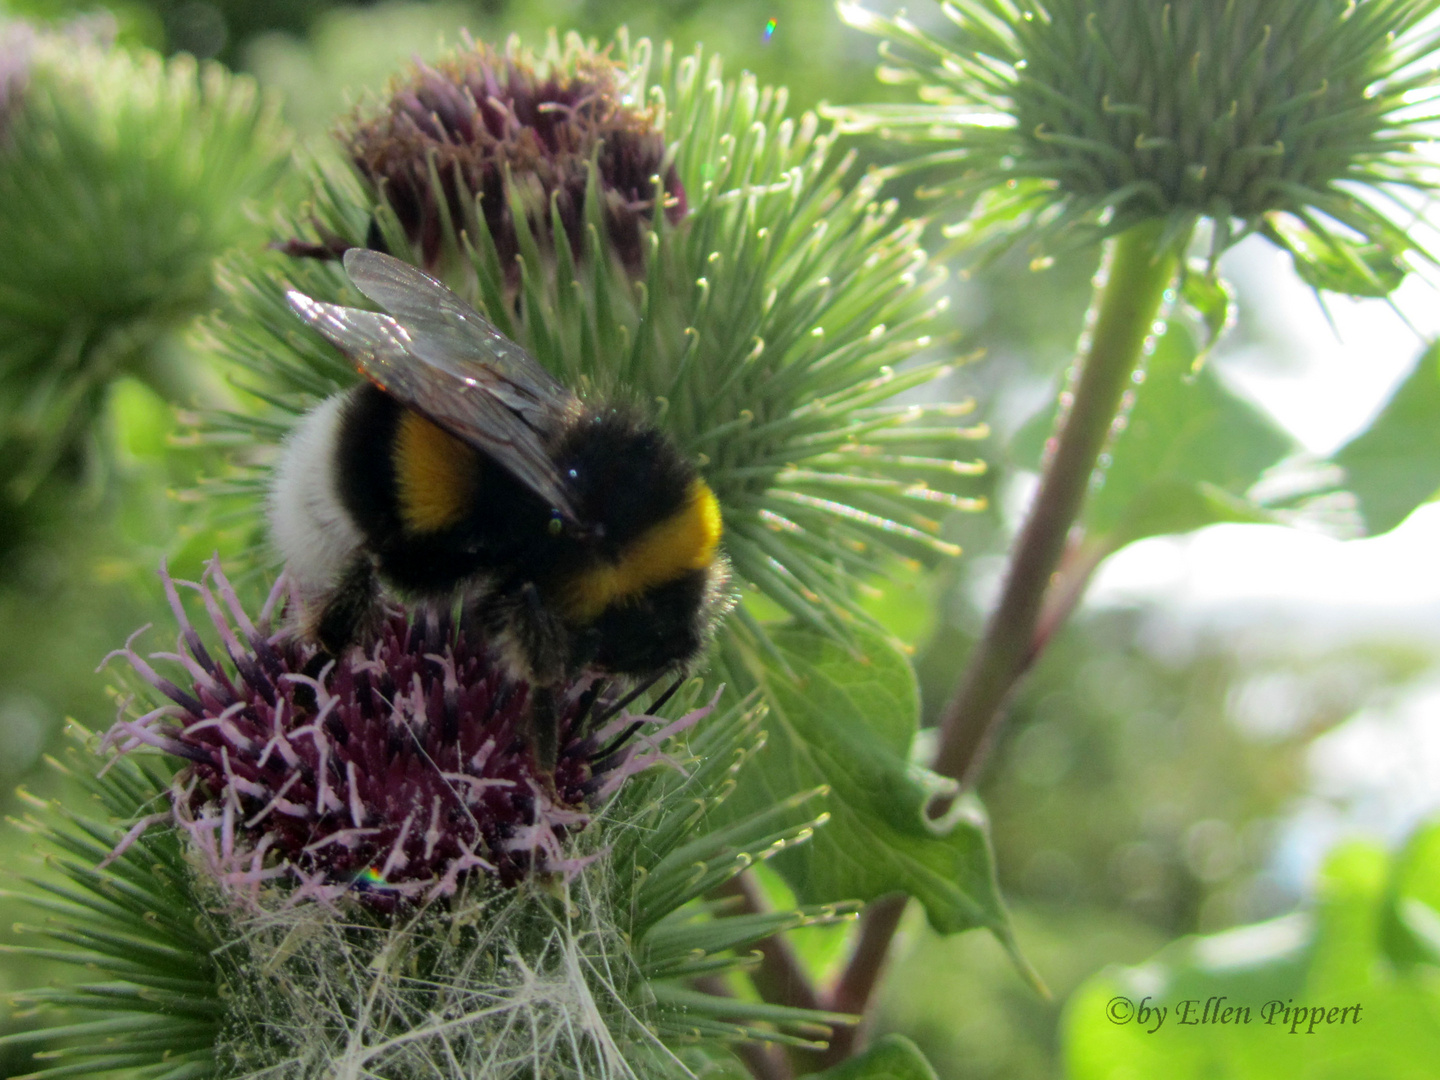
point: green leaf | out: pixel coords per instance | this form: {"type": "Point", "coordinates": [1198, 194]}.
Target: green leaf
{"type": "Point", "coordinates": [1394, 465]}
{"type": "Point", "coordinates": [847, 720]}
{"type": "Point", "coordinates": [1189, 451]}
{"type": "Point", "coordinates": [1324, 961]}
{"type": "Point", "coordinates": [893, 1057]}
{"type": "Point", "coordinates": [1172, 505]}
{"type": "Point", "coordinates": [1410, 933]}
{"type": "Point", "coordinates": [1355, 269]}
{"type": "Point", "coordinates": [1211, 300]}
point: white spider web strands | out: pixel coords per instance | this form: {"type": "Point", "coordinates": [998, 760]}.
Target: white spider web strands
{"type": "Point", "coordinates": [525, 989]}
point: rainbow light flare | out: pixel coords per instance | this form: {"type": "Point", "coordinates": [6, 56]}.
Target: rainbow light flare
{"type": "Point", "coordinates": [770, 25]}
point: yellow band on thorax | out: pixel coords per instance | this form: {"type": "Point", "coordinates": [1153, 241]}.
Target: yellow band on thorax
{"type": "Point", "coordinates": [683, 542]}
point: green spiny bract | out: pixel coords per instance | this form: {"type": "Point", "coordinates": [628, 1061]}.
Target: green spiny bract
{"type": "Point", "coordinates": [122, 178]}
{"type": "Point", "coordinates": [232, 966]}
{"type": "Point", "coordinates": [1294, 118]}
{"type": "Point", "coordinates": [767, 328]}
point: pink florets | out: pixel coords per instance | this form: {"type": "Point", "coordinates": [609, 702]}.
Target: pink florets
{"type": "Point", "coordinates": [386, 775]}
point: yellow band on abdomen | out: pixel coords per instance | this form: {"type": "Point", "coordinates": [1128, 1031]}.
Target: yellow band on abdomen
{"type": "Point", "coordinates": [435, 475]}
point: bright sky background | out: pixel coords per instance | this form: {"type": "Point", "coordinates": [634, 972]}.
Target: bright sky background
{"type": "Point", "coordinates": [1324, 389]}
{"type": "Point", "coordinates": [1379, 771]}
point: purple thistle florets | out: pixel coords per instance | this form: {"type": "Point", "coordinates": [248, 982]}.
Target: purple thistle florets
{"type": "Point", "coordinates": [389, 775]}
{"type": "Point", "coordinates": [494, 128]}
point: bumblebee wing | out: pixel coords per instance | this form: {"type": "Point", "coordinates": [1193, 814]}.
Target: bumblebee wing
{"type": "Point", "coordinates": [457, 393]}
{"type": "Point", "coordinates": [448, 333]}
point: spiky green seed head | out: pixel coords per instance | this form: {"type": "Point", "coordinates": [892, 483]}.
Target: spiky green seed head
{"type": "Point", "coordinates": [1299, 119]}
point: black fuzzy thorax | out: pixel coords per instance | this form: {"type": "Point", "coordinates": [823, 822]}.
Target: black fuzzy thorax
{"type": "Point", "coordinates": [625, 477]}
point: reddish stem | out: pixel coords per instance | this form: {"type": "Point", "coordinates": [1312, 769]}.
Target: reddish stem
{"type": "Point", "coordinates": [1138, 273]}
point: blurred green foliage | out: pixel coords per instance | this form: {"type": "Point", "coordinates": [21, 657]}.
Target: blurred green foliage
{"type": "Point", "coordinates": [1320, 993]}
{"type": "Point", "coordinates": [892, 1057]}
{"type": "Point", "coordinates": [1394, 465]}
{"type": "Point", "coordinates": [1137, 795]}
{"type": "Point", "coordinates": [123, 176]}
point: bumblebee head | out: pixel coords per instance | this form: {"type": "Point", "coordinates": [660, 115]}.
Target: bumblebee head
{"type": "Point", "coordinates": [654, 583]}
{"type": "Point", "coordinates": [666, 626]}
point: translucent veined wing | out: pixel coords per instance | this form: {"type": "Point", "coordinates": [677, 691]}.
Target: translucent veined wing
{"type": "Point", "coordinates": [448, 333]}
{"type": "Point", "coordinates": [459, 392]}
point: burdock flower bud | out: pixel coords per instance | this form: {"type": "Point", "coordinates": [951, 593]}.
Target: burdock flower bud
{"type": "Point", "coordinates": [385, 775]}
{"type": "Point", "coordinates": [122, 177]}
{"type": "Point", "coordinates": [1298, 119]}
{"type": "Point", "coordinates": [491, 136]}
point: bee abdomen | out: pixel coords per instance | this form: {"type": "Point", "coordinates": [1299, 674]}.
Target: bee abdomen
{"type": "Point", "coordinates": [436, 476]}
{"type": "Point", "coordinates": [414, 492]}
{"type": "Point", "coordinates": [316, 535]}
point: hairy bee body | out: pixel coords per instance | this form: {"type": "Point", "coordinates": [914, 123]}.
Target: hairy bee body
{"type": "Point", "coordinates": [580, 534]}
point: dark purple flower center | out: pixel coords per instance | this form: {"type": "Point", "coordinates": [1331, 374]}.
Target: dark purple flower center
{"type": "Point", "coordinates": [493, 127]}
{"type": "Point", "coordinates": [389, 774]}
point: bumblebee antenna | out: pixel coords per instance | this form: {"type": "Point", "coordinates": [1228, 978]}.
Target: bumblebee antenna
{"type": "Point", "coordinates": [628, 733]}
{"type": "Point", "coordinates": [664, 699]}
{"type": "Point", "coordinates": [626, 700]}
{"type": "Point", "coordinates": [587, 702]}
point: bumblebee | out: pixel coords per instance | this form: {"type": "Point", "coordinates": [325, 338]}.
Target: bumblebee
{"type": "Point", "coordinates": [461, 469]}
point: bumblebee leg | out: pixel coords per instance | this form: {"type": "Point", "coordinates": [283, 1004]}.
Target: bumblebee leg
{"type": "Point", "coordinates": [544, 723]}
{"type": "Point", "coordinates": [625, 701]}
{"type": "Point", "coordinates": [542, 637]}
{"type": "Point", "coordinates": [664, 699]}
{"type": "Point", "coordinates": [581, 723]}
{"type": "Point", "coordinates": [600, 760]}
{"type": "Point", "coordinates": [349, 612]}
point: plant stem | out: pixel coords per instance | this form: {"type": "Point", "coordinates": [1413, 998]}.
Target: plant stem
{"type": "Point", "coordinates": [862, 973]}
{"type": "Point", "coordinates": [1138, 271]}
{"type": "Point", "coordinates": [1137, 274]}
{"type": "Point", "coordinates": [1072, 578]}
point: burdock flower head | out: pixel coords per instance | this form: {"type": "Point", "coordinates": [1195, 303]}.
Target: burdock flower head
{"type": "Point", "coordinates": [123, 176]}
{"type": "Point", "coordinates": [358, 870]}
{"type": "Point", "coordinates": [1298, 119]}
{"type": "Point", "coordinates": [390, 774]}
{"type": "Point", "coordinates": [511, 137]}
{"type": "Point", "coordinates": [355, 868]}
